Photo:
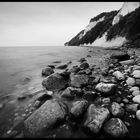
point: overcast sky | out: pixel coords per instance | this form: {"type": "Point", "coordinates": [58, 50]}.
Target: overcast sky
{"type": "Point", "coordinates": [46, 23]}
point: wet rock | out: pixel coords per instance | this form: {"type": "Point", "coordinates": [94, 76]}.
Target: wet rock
{"type": "Point", "coordinates": [78, 80]}
{"type": "Point", "coordinates": [47, 71]}
{"type": "Point", "coordinates": [54, 82]}
{"type": "Point", "coordinates": [117, 110]}
{"type": "Point", "coordinates": [119, 76]}
{"type": "Point", "coordinates": [106, 88]}
{"type": "Point", "coordinates": [63, 66]}
{"type": "Point", "coordinates": [136, 92]}
{"type": "Point", "coordinates": [84, 65]}
{"type": "Point", "coordinates": [46, 117]}
{"type": "Point", "coordinates": [68, 93]}
{"type": "Point", "coordinates": [96, 116]}
{"type": "Point", "coordinates": [136, 99]}
{"type": "Point", "coordinates": [89, 95]}
{"type": "Point", "coordinates": [115, 127]}
{"type": "Point", "coordinates": [133, 89]}
{"type": "Point", "coordinates": [138, 114]}
{"type": "Point", "coordinates": [78, 108]}
{"type": "Point", "coordinates": [120, 56]}
{"type": "Point", "coordinates": [130, 81]}
{"type": "Point", "coordinates": [128, 62]}
{"type": "Point", "coordinates": [132, 108]}
{"type": "Point", "coordinates": [136, 73]}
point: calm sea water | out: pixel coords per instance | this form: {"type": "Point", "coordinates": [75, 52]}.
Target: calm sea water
{"type": "Point", "coordinates": [17, 63]}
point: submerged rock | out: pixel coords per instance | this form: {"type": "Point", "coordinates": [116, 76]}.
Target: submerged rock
{"type": "Point", "coordinates": [54, 82]}
{"type": "Point", "coordinates": [96, 116]}
{"type": "Point", "coordinates": [78, 80]}
{"type": "Point", "coordinates": [115, 127]}
{"type": "Point", "coordinates": [106, 88]}
{"type": "Point", "coordinates": [46, 117]}
{"type": "Point", "coordinates": [78, 108]}
{"type": "Point", "coordinates": [47, 71]}
{"type": "Point", "coordinates": [117, 110]}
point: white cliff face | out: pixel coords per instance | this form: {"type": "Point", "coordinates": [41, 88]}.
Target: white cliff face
{"type": "Point", "coordinates": [115, 42]}
{"type": "Point", "coordinates": [90, 26]}
{"type": "Point", "coordinates": [127, 7]}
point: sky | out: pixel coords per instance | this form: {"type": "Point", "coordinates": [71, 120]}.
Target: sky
{"type": "Point", "coordinates": [47, 23]}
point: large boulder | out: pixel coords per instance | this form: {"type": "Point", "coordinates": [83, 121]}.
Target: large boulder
{"type": "Point", "coordinates": [78, 108]}
{"type": "Point", "coordinates": [121, 56]}
{"type": "Point", "coordinates": [54, 82]}
{"type": "Point", "coordinates": [117, 110]}
{"type": "Point", "coordinates": [115, 127]}
{"type": "Point", "coordinates": [47, 71]}
{"type": "Point", "coordinates": [78, 80]}
{"type": "Point", "coordinates": [96, 116]}
{"type": "Point", "coordinates": [52, 112]}
{"type": "Point", "coordinates": [106, 88]}
{"type": "Point", "coordinates": [118, 75]}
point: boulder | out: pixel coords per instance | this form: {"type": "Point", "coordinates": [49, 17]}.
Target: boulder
{"type": "Point", "coordinates": [115, 127]}
{"type": "Point", "coordinates": [106, 88]}
{"type": "Point", "coordinates": [119, 76]}
{"type": "Point", "coordinates": [84, 65]}
{"type": "Point", "coordinates": [127, 62]}
{"type": "Point", "coordinates": [130, 81]}
{"type": "Point", "coordinates": [63, 66]}
{"type": "Point", "coordinates": [47, 71]}
{"type": "Point", "coordinates": [136, 99]}
{"type": "Point", "coordinates": [78, 108]}
{"type": "Point", "coordinates": [54, 82]}
{"type": "Point", "coordinates": [78, 80]}
{"type": "Point", "coordinates": [117, 110]}
{"type": "Point", "coordinates": [136, 92]}
{"type": "Point", "coordinates": [52, 112]}
{"type": "Point", "coordinates": [138, 114]}
{"type": "Point", "coordinates": [136, 73]}
{"type": "Point", "coordinates": [96, 116]}
{"type": "Point", "coordinates": [132, 108]}
{"type": "Point", "coordinates": [120, 56]}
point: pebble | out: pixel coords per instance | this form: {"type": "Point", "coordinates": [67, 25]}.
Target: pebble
{"type": "Point", "coordinates": [125, 100]}
{"type": "Point", "coordinates": [130, 81]}
{"type": "Point", "coordinates": [119, 75]}
{"type": "Point", "coordinates": [136, 73]}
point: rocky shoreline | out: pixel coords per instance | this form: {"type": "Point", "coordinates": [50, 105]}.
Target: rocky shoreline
{"type": "Point", "coordinates": [97, 101]}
